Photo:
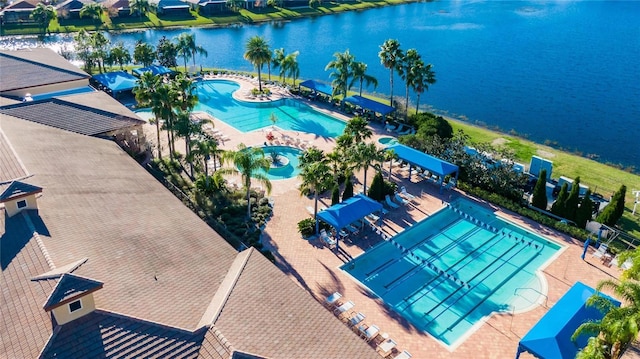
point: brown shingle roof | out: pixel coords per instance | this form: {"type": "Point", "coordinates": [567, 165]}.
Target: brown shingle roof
{"type": "Point", "coordinates": [28, 68]}
{"type": "Point", "coordinates": [70, 286]}
{"type": "Point", "coordinates": [268, 314]}
{"type": "Point", "coordinates": [24, 326]}
{"type": "Point", "coordinates": [70, 116]}
{"type": "Point", "coordinates": [101, 204]}
{"type": "Point", "coordinates": [10, 166]}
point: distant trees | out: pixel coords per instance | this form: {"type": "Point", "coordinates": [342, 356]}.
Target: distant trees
{"type": "Point", "coordinates": [119, 55]}
{"type": "Point", "coordinates": [92, 10]}
{"type": "Point", "coordinates": [43, 14]}
{"type": "Point", "coordinates": [615, 209]}
{"type": "Point", "coordinates": [166, 53]}
{"type": "Point", "coordinates": [144, 54]}
{"type": "Point", "coordinates": [539, 198]}
{"type": "Point", "coordinates": [139, 7]}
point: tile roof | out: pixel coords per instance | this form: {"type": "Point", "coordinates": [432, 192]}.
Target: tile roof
{"type": "Point", "coordinates": [29, 68]}
{"type": "Point", "coordinates": [101, 334]}
{"type": "Point", "coordinates": [24, 326]}
{"type": "Point", "coordinates": [268, 314]}
{"type": "Point", "coordinates": [70, 116]}
{"type": "Point", "coordinates": [22, 4]}
{"type": "Point", "coordinates": [70, 286]}
{"type": "Point", "coordinates": [18, 189]}
{"type": "Point", "coordinates": [10, 166]}
{"type": "Point", "coordinates": [158, 260]}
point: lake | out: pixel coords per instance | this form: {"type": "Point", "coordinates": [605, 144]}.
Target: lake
{"type": "Point", "coordinates": [557, 72]}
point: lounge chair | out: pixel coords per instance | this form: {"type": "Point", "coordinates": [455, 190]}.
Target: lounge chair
{"type": "Point", "coordinates": [372, 218]}
{"type": "Point", "coordinates": [352, 229]}
{"type": "Point", "coordinates": [386, 347]}
{"type": "Point", "coordinates": [408, 131]}
{"type": "Point", "coordinates": [601, 251]}
{"type": "Point", "coordinates": [327, 239]}
{"type": "Point", "coordinates": [404, 355]}
{"type": "Point", "coordinates": [389, 127]}
{"type": "Point", "coordinates": [400, 200]}
{"type": "Point", "coordinates": [403, 192]}
{"type": "Point", "coordinates": [333, 299]}
{"type": "Point", "coordinates": [368, 333]}
{"type": "Point", "coordinates": [339, 311]}
{"type": "Point", "coordinates": [399, 129]}
{"type": "Point", "coordinates": [356, 319]}
{"type": "Point", "coordinates": [390, 203]}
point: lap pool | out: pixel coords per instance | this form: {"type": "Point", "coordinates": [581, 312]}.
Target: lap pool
{"type": "Point", "coordinates": [216, 98]}
{"type": "Point", "coordinates": [453, 269]}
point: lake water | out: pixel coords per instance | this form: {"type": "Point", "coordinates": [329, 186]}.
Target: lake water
{"type": "Point", "coordinates": [562, 72]}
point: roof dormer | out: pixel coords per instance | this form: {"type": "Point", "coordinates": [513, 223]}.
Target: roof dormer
{"type": "Point", "coordinates": [72, 298]}
{"type": "Point", "coordinates": [19, 196]}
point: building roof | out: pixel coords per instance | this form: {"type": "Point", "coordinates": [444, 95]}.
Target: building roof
{"type": "Point", "coordinates": [35, 67]}
{"type": "Point", "coordinates": [69, 287]}
{"type": "Point", "coordinates": [72, 116]}
{"type": "Point", "coordinates": [117, 81]}
{"type": "Point", "coordinates": [18, 189]}
{"type": "Point", "coordinates": [22, 5]}
{"type": "Point", "coordinates": [10, 166]}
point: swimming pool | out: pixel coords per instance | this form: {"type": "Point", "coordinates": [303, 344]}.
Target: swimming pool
{"type": "Point", "coordinates": [215, 97]}
{"type": "Point", "coordinates": [456, 267]}
{"type": "Point", "coordinates": [289, 166]}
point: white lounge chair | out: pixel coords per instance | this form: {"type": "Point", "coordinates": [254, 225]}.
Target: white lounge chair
{"type": "Point", "coordinates": [601, 251]}
{"type": "Point", "coordinates": [368, 333]}
{"type": "Point", "coordinates": [386, 347]}
{"type": "Point", "coordinates": [403, 192]}
{"type": "Point", "coordinates": [404, 355]}
{"type": "Point", "coordinates": [339, 311]}
{"type": "Point", "coordinates": [356, 319]}
{"type": "Point", "coordinates": [390, 203]}
{"type": "Point", "coordinates": [400, 200]}
{"type": "Point", "coordinates": [333, 299]}
{"type": "Point", "coordinates": [327, 239]}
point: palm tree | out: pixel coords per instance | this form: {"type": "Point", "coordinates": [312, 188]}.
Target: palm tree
{"type": "Point", "coordinates": [144, 53]}
{"type": "Point", "coordinates": [43, 14]}
{"type": "Point", "coordinates": [364, 155]}
{"type": "Point", "coordinates": [389, 155]}
{"type": "Point", "coordinates": [359, 70]}
{"type": "Point", "coordinates": [390, 55]}
{"type": "Point", "coordinates": [99, 45]}
{"type": "Point", "coordinates": [290, 64]}
{"type": "Point", "coordinates": [187, 48]}
{"type": "Point", "coordinates": [92, 10]}
{"type": "Point", "coordinates": [139, 7]}
{"type": "Point", "coordinates": [620, 326]}
{"type": "Point", "coordinates": [145, 93]}
{"type": "Point", "coordinates": [187, 129]}
{"type": "Point", "coordinates": [358, 127]}
{"type": "Point", "coordinates": [277, 62]}
{"type": "Point", "coordinates": [164, 100]}
{"type": "Point", "coordinates": [425, 76]}
{"type": "Point", "coordinates": [258, 53]}
{"type": "Point", "coordinates": [206, 148]}
{"type": "Point", "coordinates": [83, 49]}
{"type": "Point", "coordinates": [316, 178]}
{"type": "Point", "coordinates": [408, 72]}
{"type": "Point", "coordinates": [119, 55]}
{"type": "Point", "coordinates": [341, 73]}
{"type": "Point", "coordinates": [251, 163]}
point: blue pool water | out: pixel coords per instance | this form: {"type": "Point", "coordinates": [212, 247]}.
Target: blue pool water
{"type": "Point", "coordinates": [448, 272]}
{"type": "Point", "coordinates": [286, 170]}
{"type": "Point", "coordinates": [216, 98]}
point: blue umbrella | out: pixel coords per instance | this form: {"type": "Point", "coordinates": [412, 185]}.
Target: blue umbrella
{"type": "Point", "coordinates": [586, 247]}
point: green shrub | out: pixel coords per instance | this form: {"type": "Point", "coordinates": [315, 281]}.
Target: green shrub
{"type": "Point", "coordinates": [307, 227]}
{"type": "Point", "coordinates": [558, 207]}
{"type": "Point", "coordinates": [539, 199]}
{"type": "Point", "coordinates": [584, 212]}
{"type": "Point", "coordinates": [348, 189]}
{"type": "Point", "coordinates": [335, 194]}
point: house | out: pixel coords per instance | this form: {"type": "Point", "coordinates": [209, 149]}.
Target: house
{"type": "Point", "coordinates": [70, 9]}
{"type": "Point", "coordinates": [18, 11]}
{"type": "Point", "coordinates": [170, 7]}
{"type": "Point", "coordinates": [119, 7]}
{"type": "Point", "coordinates": [98, 259]}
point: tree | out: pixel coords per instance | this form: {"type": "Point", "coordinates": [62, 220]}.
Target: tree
{"type": "Point", "coordinates": [43, 14]}
{"type": "Point", "coordinates": [430, 125]}
{"type": "Point", "coordinates": [164, 100]}
{"type": "Point", "coordinates": [619, 326]}
{"type": "Point", "coordinates": [341, 73]}
{"type": "Point", "coordinates": [83, 49]}
{"type": "Point", "coordinates": [335, 194]}
{"type": "Point", "coordinates": [348, 189]}
{"type": "Point", "coordinates": [234, 5]}
{"type": "Point", "coordinates": [358, 127]}
{"type": "Point", "coordinates": [408, 72]}
{"type": "Point", "coordinates": [585, 211]}
{"type": "Point", "coordinates": [424, 77]}
{"type": "Point", "coordinates": [99, 45]}
{"type": "Point", "coordinates": [359, 70]}
{"type": "Point", "coordinates": [146, 97]}
{"type": "Point", "coordinates": [139, 7]}
{"type": "Point", "coordinates": [572, 202]}
{"type": "Point", "coordinates": [257, 53]}
{"type": "Point", "coordinates": [364, 155]}
{"type": "Point", "coordinates": [291, 66]}
{"type": "Point", "coordinates": [615, 209]}
{"type": "Point", "coordinates": [92, 10]}
{"type": "Point", "coordinates": [207, 149]}
{"type": "Point", "coordinates": [119, 55]}
{"type": "Point", "coordinates": [187, 48]}
{"type": "Point", "coordinates": [316, 178]}
{"type": "Point", "coordinates": [166, 53]}
{"type": "Point", "coordinates": [376, 191]}
{"type": "Point", "coordinates": [390, 56]}
{"type": "Point", "coordinates": [558, 207]}
{"type": "Point", "coordinates": [144, 54]}
{"type": "Point", "coordinates": [277, 62]}
{"type": "Point", "coordinates": [251, 163]}
{"type": "Point", "coordinates": [539, 198]}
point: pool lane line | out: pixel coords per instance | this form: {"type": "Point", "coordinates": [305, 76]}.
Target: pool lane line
{"type": "Point", "coordinates": [452, 266]}
{"type": "Point", "coordinates": [520, 268]}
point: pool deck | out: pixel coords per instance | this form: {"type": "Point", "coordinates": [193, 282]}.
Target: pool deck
{"type": "Point", "coordinates": [316, 268]}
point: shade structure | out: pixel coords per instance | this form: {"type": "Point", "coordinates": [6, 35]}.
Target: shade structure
{"type": "Point", "coordinates": [369, 104]}
{"type": "Point", "coordinates": [154, 69]}
{"type": "Point", "coordinates": [116, 82]}
{"type": "Point", "coordinates": [550, 338]}
{"type": "Point", "coordinates": [342, 214]}
{"type": "Point", "coordinates": [317, 86]}
{"type": "Point", "coordinates": [420, 159]}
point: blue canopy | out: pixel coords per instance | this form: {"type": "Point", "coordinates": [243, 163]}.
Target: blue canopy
{"type": "Point", "coordinates": [368, 104]}
{"type": "Point", "coordinates": [154, 69]}
{"type": "Point", "coordinates": [342, 214]}
{"type": "Point", "coordinates": [551, 336]}
{"type": "Point", "coordinates": [317, 86]}
{"type": "Point", "coordinates": [118, 81]}
{"type": "Point", "coordinates": [420, 159]}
